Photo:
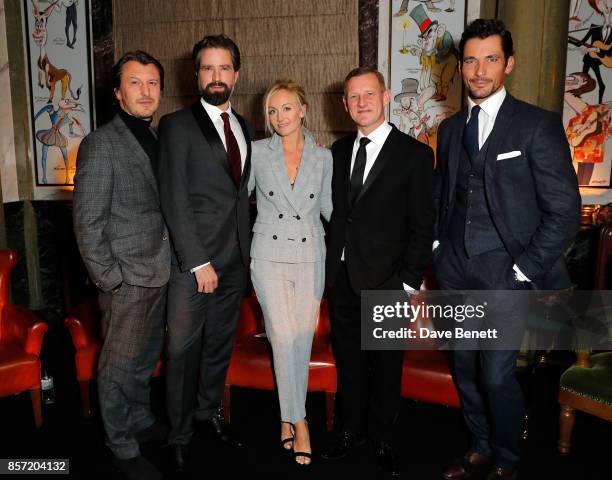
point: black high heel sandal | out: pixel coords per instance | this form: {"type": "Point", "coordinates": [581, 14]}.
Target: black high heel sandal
{"type": "Point", "coordinates": [300, 454]}
{"type": "Point", "coordinates": [286, 441]}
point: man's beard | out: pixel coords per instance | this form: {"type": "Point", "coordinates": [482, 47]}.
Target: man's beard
{"type": "Point", "coordinates": [483, 94]}
{"type": "Point", "coordinates": [217, 97]}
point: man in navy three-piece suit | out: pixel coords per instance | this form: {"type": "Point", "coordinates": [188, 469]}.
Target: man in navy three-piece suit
{"type": "Point", "coordinates": [507, 204]}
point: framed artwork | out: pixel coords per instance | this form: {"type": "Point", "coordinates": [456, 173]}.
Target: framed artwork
{"type": "Point", "coordinates": [60, 85]}
{"type": "Point", "coordinates": [586, 111]}
{"type": "Point", "coordinates": [423, 70]}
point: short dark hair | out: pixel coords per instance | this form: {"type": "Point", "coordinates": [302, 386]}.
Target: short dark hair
{"type": "Point", "coordinates": [216, 41]}
{"type": "Point", "coordinates": [484, 28]}
{"type": "Point", "coordinates": [359, 71]}
{"type": "Point", "coordinates": [137, 56]}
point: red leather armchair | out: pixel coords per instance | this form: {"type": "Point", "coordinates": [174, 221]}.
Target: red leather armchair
{"type": "Point", "coordinates": [84, 326]}
{"type": "Point", "coordinates": [83, 323]}
{"type": "Point", "coordinates": [251, 363]}
{"type": "Point", "coordinates": [426, 375]}
{"type": "Point", "coordinates": [21, 335]}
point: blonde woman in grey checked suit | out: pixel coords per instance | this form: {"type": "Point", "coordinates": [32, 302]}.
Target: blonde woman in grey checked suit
{"type": "Point", "coordinates": [292, 177]}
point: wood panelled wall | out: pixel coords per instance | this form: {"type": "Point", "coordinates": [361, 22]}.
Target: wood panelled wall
{"type": "Point", "coordinates": [313, 41]}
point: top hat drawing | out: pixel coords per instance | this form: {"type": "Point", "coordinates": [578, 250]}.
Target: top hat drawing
{"type": "Point", "coordinates": [422, 20]}
{"type": "Point", "coordinates": [409, 89]}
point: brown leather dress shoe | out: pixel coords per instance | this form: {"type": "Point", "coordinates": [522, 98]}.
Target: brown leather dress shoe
{"type": "Point", "coordinates": [466, 466]}
{"type": "Point", "coordinates": [502, 473]}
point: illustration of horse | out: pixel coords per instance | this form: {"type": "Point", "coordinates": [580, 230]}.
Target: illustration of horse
{"type": "Point", "coordinates": [52, 74]}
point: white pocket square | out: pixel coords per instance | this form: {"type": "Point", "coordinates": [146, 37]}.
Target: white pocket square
{"type": "Point", "coordinates": [503, 156]}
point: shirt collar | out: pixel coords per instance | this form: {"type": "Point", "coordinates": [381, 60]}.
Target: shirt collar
{"type": "Point", "coordinates": [491, 105]}
{"type": "Point", "coordinates": [215, 112]}
{"type": "Point", "coordinates": [378, 136]}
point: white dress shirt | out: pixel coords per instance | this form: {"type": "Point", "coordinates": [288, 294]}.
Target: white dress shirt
{"type": "Point", "coordinates": [377, 139]}
{"type": "Point", "coordinates": [215, 115]}
{"type": "Point", "coordinates": [488, 113]}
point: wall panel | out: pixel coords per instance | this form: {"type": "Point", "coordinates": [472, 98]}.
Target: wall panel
{"type": "Point", "coordinates": [313, 41]}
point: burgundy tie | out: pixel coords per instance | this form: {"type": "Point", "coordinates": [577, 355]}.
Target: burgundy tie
{"type": "Point", "coordinates": [233, 152]}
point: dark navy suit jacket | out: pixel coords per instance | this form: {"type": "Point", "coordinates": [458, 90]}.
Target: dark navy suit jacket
{"type": "Point", "coordinates": [532, 195]}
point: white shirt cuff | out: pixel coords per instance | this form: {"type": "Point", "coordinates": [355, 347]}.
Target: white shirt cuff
{"type": "Point", "coordinates": [199, 266]}
{"type": "Point", "coordinates": [520, 276]}
{"type": "Point", "coordinates": [408, 289]}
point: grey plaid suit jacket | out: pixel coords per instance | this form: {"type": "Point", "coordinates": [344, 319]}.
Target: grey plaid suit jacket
{"type": "Point", "coordinates": [117, 218]}
{"type": "Point", "coordinates": [288, 226]}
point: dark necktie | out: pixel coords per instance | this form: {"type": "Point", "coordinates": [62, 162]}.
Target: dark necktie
{"type": "Point", "coordinates": [470, 134]}
{"type": "Point", "coordinates": [233, 152]}
{"type": "Point", "coordinates": [359, 169]}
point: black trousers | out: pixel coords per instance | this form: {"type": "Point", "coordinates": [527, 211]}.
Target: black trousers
{"type": "Point", "coordinates": [369, 382]}
{"type": "Point", "coordinates": [201, 330]}
{"type": "Point", "coordinates": [491, 398]}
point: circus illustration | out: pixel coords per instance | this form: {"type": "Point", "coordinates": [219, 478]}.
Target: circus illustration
{"type": "Point", "coordinates": [60, 85]}
{"type": "Point", "coordinates": [60, 117]}
{"type": "Point", "coordinates": [587, 105]}
{"type": "Point", "coordinates": [425, 82]}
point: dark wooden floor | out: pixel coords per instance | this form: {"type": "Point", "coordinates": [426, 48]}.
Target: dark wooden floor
{"type": "Point", "coordinates": [428, 436]}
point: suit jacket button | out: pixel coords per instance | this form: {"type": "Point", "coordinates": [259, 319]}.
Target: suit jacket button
{"type": "Point", "coordinates": [271, 193]}
{"type": "Point", "coordinates": [297, 217]}
{"type": "Point", "coordinates": [349, 220]}
{"type": "Point", "coordinates": [303, 239]}
{"type": "Point", "coordinates": [274, 237]}
{"type": "Point", "coordinates": [280, 215]}
{"type": "Point", "coordinates": [312, 195]}
{"type": "Point", "coordinates": [165, 237]}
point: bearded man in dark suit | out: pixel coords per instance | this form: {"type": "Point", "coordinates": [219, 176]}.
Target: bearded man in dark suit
{"type": "Point", "coordinates": [205, 159]}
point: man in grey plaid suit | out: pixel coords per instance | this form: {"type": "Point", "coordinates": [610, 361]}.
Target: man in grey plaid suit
{"type": "Point", "coordinates": [124, 243]}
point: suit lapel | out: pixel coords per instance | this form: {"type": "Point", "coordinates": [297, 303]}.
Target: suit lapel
{"type": "Point", "coordinates": [305, 172]}
{"type": "Point", "coordinates": [134, 147]}
{"type": "Point", "coordinates": [454, 156]}
{"type": "Point", "coordinates": [277, 163]}
{"type": "Point", "coordinates": [383, 158]}
{"type": "Point", "coordinates": [503, 123]}
{"type": "Point", "coordinates": [247, 161]}
{"type": "Point", "coordinates": [346, 155]}
{"type": "Point", "coordinates": [212, 137]}
{"type": "Point", "coordinates": [499, 132]}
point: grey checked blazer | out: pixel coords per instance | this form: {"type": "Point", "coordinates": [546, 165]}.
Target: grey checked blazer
{"type": "Point", "coordinates": [288, 226]}
{"type": "Point", "coordinates": [117, 218]}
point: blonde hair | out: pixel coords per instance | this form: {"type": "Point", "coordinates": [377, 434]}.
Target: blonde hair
{"type": "Point", "coordinates": [291, 86]}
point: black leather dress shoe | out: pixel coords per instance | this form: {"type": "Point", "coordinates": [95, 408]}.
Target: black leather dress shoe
{"type": "Point", "coordinates": [502, 473]}
{"type": "Point", "coordinates": [217, 426]}
{"type": "Point", "coordinates": [179, 457]}
{"type": "Point", "coordinates": [387, 458]}
{"type": "Point", "coordinates": [343, 444]}
{"type": "Point", "coordinates": [472, 463]}
{"type": "Point", "coordinates": [137, 468]}
{"type": "Point", "coordinates": [157, 432]}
